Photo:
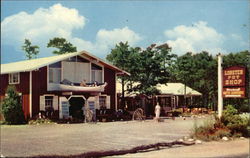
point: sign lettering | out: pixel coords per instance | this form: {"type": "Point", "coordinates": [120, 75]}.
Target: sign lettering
{"type": "Point", "coordinates": [234, 76]}
{"type": "Point", "coordinates": [234, 82]}
{"type": "Point", "coordinates": [234, 92]}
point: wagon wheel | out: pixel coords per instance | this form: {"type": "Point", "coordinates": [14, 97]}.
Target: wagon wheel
{"type": "Point", "coordinates": [138, 114]}
{"type": "Point", "coordinates": [88, 116]}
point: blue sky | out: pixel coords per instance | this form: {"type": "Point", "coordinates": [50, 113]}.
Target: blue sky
{"type": "Point", "coordinates": [96, 26]}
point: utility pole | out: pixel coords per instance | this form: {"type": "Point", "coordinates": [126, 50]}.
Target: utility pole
{"type": "Point", "coordinates": [220, 99]}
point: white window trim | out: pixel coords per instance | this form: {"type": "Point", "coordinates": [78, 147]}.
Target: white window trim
{"type": "Point", "coordinates": [106, 101]}
{"type": "Point", "coordinates": [50, 100]}
{"type": "Point", "coordinates": [14, 82]}
{"type": "Point", "coordinates": [53, 105]}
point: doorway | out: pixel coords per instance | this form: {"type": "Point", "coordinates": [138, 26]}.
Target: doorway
{"type": "Point", "coordinates": [77, 104]}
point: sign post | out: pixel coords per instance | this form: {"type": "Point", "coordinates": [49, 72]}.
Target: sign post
{"type": "Point", "coordinates": [220, 78]}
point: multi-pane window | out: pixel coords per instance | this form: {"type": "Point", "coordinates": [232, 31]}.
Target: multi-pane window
{"type": "Point", "coordinates": [96, 73]}
{"type": "Point", "coordinates": [48, 102]}
{"type": "Point", "coordinates": [55, 73]}
{"type": "Point", "coordinates": [102, 101]}
{"type": "Point", "coordinates": [14, 78]}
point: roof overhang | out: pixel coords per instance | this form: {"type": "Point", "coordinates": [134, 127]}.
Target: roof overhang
{"type": "Point", "coordinates": [96, 59]}
{"type": "Point", "coordinates": [35, 64]}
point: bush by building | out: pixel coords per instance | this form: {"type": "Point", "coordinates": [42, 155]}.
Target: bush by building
{"type": "Point", "coordinates": [12, 108]}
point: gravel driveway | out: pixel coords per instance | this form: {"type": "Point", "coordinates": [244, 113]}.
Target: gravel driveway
{"type": "Point", "coordinates": [71, 139]}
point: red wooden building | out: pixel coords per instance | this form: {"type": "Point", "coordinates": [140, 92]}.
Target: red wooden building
{"type": "Point", "coordinates": [51, 85]}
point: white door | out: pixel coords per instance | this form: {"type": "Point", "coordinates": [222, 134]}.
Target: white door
{"type": "Point", "coordinates": [63, 108]}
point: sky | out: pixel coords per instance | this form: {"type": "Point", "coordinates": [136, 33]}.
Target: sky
{"type": "Point", "coordinates": [97, 26]}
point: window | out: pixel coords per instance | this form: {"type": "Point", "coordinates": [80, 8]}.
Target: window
{"type": "Point", "coordinates": [96, 73]}
{"type": "Point", "coordinates": [48, 103]}
{"type": "Point", "coordinates": [76, 71]}
{"type": "Point", "coordinates": [102, 101]}
{"type": "Point", "coordinates": [96, 76]}
{"type": "Point", "coordinates": [14, 78]}
{"type": "Point", "coordinates": [55, 73]}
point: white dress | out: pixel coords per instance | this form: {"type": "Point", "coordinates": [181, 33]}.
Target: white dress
{"type": "Point", "coordinates": [157, 111]}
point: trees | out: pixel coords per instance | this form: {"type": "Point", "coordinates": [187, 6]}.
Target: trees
{"type": "Point", "coordinates": [205, 77]}
{"type": "Point", "coordinates": [126, 58]}
{"type": "Point", "coordinates": [239, 59]}
{"type": "Point", "coordinates": [30, 51]}
{"type": "Point", "coordinates": [154, 63]}
{"type": "Point", "coordinates": [183, 70]}
{"type": "Point", "coordinates": [147, 67]}
{"type": "Point", "coordinates": [198, 71]}
{"type": "Point", "coordinates": [12, 108]}
{"type": "Point", "coordinates": [62, 44]}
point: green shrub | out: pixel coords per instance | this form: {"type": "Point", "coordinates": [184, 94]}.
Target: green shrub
{"type": "Point", "coordinates": [230, 124]}
{"type": "Point", "coordinates": [12, 108]}
{"type": "Point", "coordinates": [233, 121]}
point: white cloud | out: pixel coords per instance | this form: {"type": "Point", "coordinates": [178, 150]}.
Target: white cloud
{"type": "Point", "coordinates": [106, 39]}
{"type": "Point", "coordinates": [196, 38]}
{"type": "Point", "coordinates": [60, 21]}
{"type": "Point", "coordinates": [42, 25]}
{"type": "Point", "coordinates": [117, 35]}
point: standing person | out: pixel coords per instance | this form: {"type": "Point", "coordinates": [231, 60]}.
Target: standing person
{"type": "Point", "coordinates": [157, 112]}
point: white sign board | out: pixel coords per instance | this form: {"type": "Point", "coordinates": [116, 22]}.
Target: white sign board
{"type": "Point", "coordinates": [64, 108]}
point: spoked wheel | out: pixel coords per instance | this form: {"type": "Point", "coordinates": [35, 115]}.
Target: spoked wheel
{"type": "Point", "coordinates": [138, 115]}
{"type": "Point", "coordinates": [89, 116]}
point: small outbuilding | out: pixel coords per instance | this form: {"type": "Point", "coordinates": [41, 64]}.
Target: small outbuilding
{"type": "Point", "coordinates": [172, 96]}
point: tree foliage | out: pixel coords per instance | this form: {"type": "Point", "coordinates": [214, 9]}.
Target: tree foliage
{"type": "Point", "coordinates": [31, 51]}
{"type": "Point", "coordinates": [199, 71]}
{"type": "Point", "coordinates": [62, 45]}
{"type": "Point", "coordinates": [154, 63]}
{"type": "Point", "coordinates": [147, 67]}
{"type": "Point", "coordinates": [12, 108]}
{"type": "Point", "coordinates": [239, 59]}
{"type": "Point", "coordinates": [124, 57]}
{"type": "Point", "coordinates": [194, 70]}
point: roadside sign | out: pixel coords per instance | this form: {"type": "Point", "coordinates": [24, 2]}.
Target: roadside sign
{"type": "Point", "coordinates": [234, 82]}
{"type": "Point", "coordinates": [63, 108]}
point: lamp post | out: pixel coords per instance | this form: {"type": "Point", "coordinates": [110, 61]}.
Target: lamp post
{"type": "Point", "coordinates": [220, 99]}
